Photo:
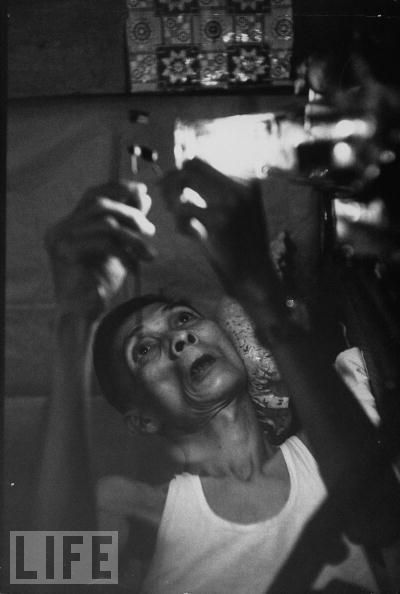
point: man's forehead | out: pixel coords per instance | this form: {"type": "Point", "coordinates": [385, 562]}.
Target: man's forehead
{"type": "Point", "coordinates": [151, 314]}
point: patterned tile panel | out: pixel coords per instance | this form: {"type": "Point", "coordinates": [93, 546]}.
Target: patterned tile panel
{"type": "Point", "coordinates": [193, 44]}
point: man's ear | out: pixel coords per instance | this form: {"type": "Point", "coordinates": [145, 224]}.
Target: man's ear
{"type": "Point", "coordinates": [141, 421]}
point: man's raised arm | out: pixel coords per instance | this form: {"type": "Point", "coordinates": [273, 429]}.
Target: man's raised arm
{"type": "Point", "coordinates": [90, 251]}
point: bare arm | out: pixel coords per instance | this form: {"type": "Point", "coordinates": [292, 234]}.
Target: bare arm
{"type": "Point", "coordinates": [64, 496]}
{"type": "Point", "coordinates": [134, 509]}
{"type": "Point", "coordinates": [131, 507]}
{"type": "Point", "coordinates": [90, 251]}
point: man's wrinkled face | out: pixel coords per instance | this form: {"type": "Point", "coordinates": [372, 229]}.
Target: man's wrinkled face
{"type": "Point", "coordinates": [184, 364]}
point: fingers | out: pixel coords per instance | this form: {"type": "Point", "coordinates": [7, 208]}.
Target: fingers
{"type": "Point", "coordinates": [199, 185]}
{"type": "Point", "coordinates": [139, 192]}
{"type": "Point", "coordinates": [108, 236]}
{"type": "Point", "coordinates": [102, 224]}
{"type": "Point", "coordinates": [123, 214]}
{"type": "Point", "coordinates": [131, 193]}
{"type": "Point", "coordinates": [204, 178]}
{"type": "Point", "coordinates": [213, 186]}
{"type": "Point", "coordinates": [107, 228]}
{"type": "Point", "coordinates": [190, 216]}
{"type": "Point", "coordinates": [189, 196]}
{"type": "Point", "coordinates": [193, 194]}
{"type": "Point", "coordinates": [198, 229]}
{"type": "Point", "coordinates": [125, 204]}
{"type": "Point", "coordinates": [172, 185]}
{"type": "Point", "coordinates": [91, 250]}
{"type": "Point", "coordinates": [193, 216]}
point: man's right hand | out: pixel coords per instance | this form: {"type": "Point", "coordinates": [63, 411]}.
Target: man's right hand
{"type": "Point", "coordinates": [92, 249]}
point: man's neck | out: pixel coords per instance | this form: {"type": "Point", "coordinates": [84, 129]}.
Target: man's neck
{"type": "Point", "coordinates": [231, 444]}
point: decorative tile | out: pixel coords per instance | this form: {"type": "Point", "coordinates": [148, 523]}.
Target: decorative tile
{"type": "Point", "coordinates": [177, 30]}
{"type": "Point", "coordinates": [214, 69]}
{"type": "Point", "coordinates": [165, 7]}
{"type": "Point", "coordinates": [140, 4]}
{"type": "Point", "coordinates": [249, 64]}
{"type": "Point", "coordinates": [207, 4]}
{"type": "Point", "coordinates": [280, 27]}
{"type": "Point", "coordinates": [283, 28]}
{"type": "Point", "coordinates": [201, 43]}
{"type": "Point", "coordinates": [249, 28]}
{"type": "Point", "coordinates": [177, 66]}
{"type": "Point", "coordinates": [246, 6]}
{"type": "Point", "coordinates": [214, 30]}
{"type": "Point", "coordinates": [143, 72]}
{"type": "Point", "coordinates": [281, 61]}
{"type": "Point", "coordinates": [143, 32]}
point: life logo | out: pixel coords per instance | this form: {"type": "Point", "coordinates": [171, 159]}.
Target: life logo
{"type": "Point", "coordinates": [54, 557]}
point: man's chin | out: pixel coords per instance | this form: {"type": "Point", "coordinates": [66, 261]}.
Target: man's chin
{"type": "Point", "coordinates": [215, 395]}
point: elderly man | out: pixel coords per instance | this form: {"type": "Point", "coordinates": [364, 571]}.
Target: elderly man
{"type": "Point", "coordinates": [230, 521]}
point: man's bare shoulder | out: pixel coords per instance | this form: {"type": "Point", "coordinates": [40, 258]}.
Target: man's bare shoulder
{"type": "Point", "coordinates": [131, 499]}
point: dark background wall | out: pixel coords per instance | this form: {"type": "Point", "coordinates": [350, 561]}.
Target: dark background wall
{"type": "Point", "coordinates": [63, 47]}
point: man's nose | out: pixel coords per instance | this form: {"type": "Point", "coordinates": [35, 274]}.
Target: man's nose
{"type": "Point", "coordinates": [180, 340]}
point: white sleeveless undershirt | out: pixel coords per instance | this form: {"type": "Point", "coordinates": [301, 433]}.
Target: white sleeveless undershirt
{"type": "Point", "coordinates": [198, 552]}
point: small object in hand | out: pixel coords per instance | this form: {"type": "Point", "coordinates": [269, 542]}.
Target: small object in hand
{"type": "Point", "coordinates": [143, 152]}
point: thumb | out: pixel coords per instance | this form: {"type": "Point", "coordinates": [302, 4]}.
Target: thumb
{"type": "Point", "coordinates": [141, 197]}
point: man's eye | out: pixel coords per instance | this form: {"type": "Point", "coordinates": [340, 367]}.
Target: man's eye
{"type": "Point", "coordinates": [184, 317]}
{"type": "Point", "coordinates": [142, 350]}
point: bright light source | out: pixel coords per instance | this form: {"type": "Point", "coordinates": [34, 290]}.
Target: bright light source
{"type": "Point", "coordinates": [243, 147]}
{"type": "Point", "coordinates": [354, 127]}
{"type": "Point", "coordinates": [343, 155]}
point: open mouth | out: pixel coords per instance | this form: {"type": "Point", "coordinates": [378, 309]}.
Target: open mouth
{"type": "Point", "coordinates": [200, 367]}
